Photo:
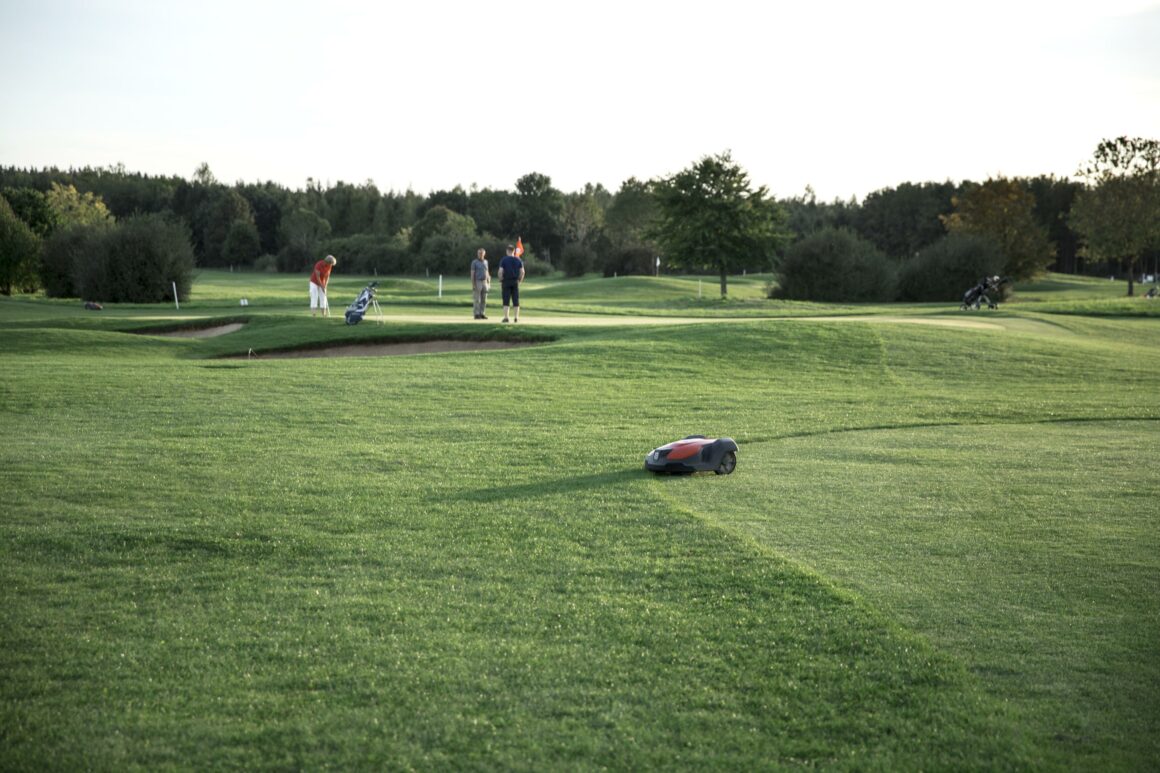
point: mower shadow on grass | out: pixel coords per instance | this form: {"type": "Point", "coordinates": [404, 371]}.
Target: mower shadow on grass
{"type": "Point", "coordinates": [549, 487]}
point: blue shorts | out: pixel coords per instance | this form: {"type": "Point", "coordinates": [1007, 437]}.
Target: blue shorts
{"type": "Point", "coordinates": [511, 294]}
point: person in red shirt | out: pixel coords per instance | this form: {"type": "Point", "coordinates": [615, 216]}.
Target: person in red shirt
{"type": "Point", "coordinates": [318, 281]}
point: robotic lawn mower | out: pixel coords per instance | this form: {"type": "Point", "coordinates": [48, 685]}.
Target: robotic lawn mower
{"type": "Point", "coordinates": [695, 453]}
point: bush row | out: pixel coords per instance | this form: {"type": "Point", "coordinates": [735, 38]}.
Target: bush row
{"type": "Point", "coordinates": [138, 260]}
{"type": "Point", "coordinates": [836, 265]}
{"type": "Point", "coordinates": [580, 259]}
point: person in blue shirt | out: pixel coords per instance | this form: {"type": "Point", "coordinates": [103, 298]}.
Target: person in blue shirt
{"type": "Point", "coordinates": [511, 274]}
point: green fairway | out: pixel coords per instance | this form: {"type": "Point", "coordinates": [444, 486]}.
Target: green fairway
{"type": "Point", "coordinates": [939, 550]}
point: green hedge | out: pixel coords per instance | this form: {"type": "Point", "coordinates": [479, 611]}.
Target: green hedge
{"type": "Point", "coordinates": [836, 265]}
{"type": "Point", "coordinates": [949, 267]}
{"type": "Point", "coordinates": [136, 261]}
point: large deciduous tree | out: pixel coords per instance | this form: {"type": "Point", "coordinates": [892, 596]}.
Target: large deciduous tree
{"type": "Point", "coordinates": [70, 207]}
{"type": "Point", "coordinates": [302, 232]}
{"type": "Point", "coordinates": [710, 218]}
{"type": "Point", "coordinates": [901, 221]}
{"type": "Point", "coordinates": [457, 200]}
{"type": "Point", "coordinates": [1053, 201]}
{"type": "Point", "coordinates": [266, 202]}
{"type": "Point", "coordinates": [395, 212]}
{"type": "Point", "coordinates": [441, 221]}
{"type": "Point", "coordinates": [494, 212]}
{"type": "Point", "coordinates": [1118, 212]}
{"type": "Point", "coordinates": [631, 215]}
{"type": "Point", "coordinates": [805, 215]}
{"type": "Point", "coordinates": [539, 211]}
{"type": "Point", "coordinates": [243, 244]}
{"type": "Point", "coordinates": [19, 251]}
{"type": "Point", "coordinates": [583, 213]}
{"type": "Point", "coordinates": [1004, 210]}
{"type": "Point", "coordinates": [352, 207]}
{"type": "Point", "coordinates": [31, 206]}
{"type": "Point", "coordinates": [214, 219]}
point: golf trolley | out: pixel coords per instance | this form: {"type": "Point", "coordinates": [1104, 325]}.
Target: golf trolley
{"type": "Point", "coordinates": [365, 300]}
{"type": "Point", "coordinates": [977, 295]}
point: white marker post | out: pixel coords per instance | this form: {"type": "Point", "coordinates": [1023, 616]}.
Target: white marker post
{"type": "Point", "coordinates": [440, 285]}
{"type": "Point", "coordinates": [175, 303]}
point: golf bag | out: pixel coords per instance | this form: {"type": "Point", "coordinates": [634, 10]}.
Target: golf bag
{"type": "Point", "coordinates": [356, 311]}
{"type": "Point", "coordinates": [977, 295]}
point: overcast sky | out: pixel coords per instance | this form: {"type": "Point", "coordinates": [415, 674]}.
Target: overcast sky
{"type": "Point", "coordinates": [845, 96]}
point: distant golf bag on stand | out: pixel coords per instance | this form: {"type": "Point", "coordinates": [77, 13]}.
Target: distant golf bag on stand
{"type": "Point", "coordinates": [977, 295]}
{"type": "Point", "coordinates": [365, 300]}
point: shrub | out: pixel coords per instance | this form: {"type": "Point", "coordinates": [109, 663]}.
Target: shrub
{"type": "Point", "coordinates": [533, 266]}
{"type": "Point", "coordinates": [836, 265]}
{"type": "Point", "coordinates": [636, 259]}
{"type": "Point", "coordinates": [440, 221]}
{"type": "Point", "coordinates": [372, 254]}
{"type": "Point", "coordinates": [495, 251]}
{"type": "Point", "coordinates": [266, 263]}
{"type": "Point", "coordinates": [296, 257]}
{"type": "Point", "coordinates": [497, 248]}
{"type": "Point", "coordinates": [949, 267]}
{"type": "Point", "coordinates": [138, 261]}
{"type": "Point", "coordinates": [446, 254]}
{"type": "Point", "coordinates": [577, 259]}
{"type": "Point", "coordinates": [450, 254]}
{"type": "Point", "coordinates": [242, 244]}
{"type": "Point", "coordinates": [65, 252]}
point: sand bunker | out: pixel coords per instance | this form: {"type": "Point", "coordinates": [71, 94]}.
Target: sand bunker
{"type": "Point", "coordinates": [202, 332]}
{"type": "Point", "coordinates": [382, 350]}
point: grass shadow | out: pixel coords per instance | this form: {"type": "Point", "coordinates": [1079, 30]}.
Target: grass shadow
{"type": "Point", "coordinates": [563, 485]}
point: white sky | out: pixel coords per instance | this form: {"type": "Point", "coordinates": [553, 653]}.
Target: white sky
{"type": "Point", "coordinates": [846, 96]}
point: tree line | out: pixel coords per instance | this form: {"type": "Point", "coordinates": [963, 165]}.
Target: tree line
{"type": "Point", "coordinates": [62, 230]}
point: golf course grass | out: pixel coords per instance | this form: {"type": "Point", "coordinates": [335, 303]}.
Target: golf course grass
{"type": "Point", "coordinates": [940, 549]}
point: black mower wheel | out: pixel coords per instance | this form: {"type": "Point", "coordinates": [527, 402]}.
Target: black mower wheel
{"type": "Point", "coordinates": [728, 464]}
